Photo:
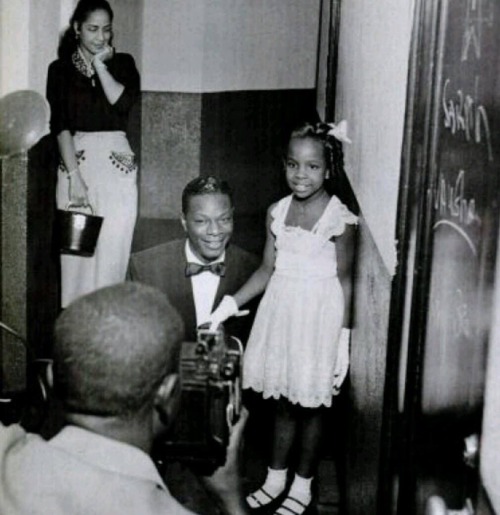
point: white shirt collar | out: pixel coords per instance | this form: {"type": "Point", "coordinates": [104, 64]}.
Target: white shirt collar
{"type": "Point", "coordinates": [204, 285]}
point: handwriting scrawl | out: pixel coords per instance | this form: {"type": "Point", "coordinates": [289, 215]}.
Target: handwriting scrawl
{"type": "Point", "coordinates": [479, 13]}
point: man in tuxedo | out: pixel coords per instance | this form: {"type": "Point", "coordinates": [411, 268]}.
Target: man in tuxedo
{"type": "Point", "coordinates": [197, 272]}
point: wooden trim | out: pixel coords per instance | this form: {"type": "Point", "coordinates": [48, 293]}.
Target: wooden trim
{"type": "Point", "coordinates": [333, 45]}
{"type": "Point", "coordinates": [414, 216]}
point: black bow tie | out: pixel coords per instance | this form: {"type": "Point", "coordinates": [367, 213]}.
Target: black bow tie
{"type": "Point", "coordinates": [195, 268]}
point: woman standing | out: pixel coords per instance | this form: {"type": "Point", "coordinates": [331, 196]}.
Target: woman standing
{"type": "Point", "coordinates": [91, 90]}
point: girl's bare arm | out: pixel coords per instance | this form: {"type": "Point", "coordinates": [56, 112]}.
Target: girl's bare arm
{"type": "Point", "coordinates": [257, 282]}
{"type": "Point", "coordinates": [345, 260]}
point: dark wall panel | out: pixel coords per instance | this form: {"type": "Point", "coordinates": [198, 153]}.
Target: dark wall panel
{"type": "Point", "coordinates": [170, 150]}
{"type": "Point", "coordinates": [242, 140]}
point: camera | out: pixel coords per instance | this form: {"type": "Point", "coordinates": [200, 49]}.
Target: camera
{"type": "Point", "coordinates": [210, 379]}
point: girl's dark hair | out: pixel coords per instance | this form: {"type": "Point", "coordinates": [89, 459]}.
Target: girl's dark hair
{"type": "Point", "coordinates": [338, 183]}
{"type": "Point", "coordinates": [84, 8]}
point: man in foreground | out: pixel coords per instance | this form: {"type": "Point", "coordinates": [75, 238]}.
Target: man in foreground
{"type": "Point", "coordinates": [115, 373]}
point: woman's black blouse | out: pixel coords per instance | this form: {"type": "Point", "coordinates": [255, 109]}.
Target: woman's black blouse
{"type": "Point", "coordinates": [79, 104]}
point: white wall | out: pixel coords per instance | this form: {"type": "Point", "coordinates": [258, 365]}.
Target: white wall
{"type": "Point", "coordinates": [490, 438]}
{"type": "Point", "coordinates": [371, 92]}
{"type": "Point", "coordinates": [14, 45]}
{"type": "Point", "coordinates": [127, 27]}
{"type": "Point", "coordinates": [29, 36]}
{"type": "Point", "coordinates": [229, 45]}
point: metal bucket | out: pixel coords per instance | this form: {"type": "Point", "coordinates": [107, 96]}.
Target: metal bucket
{"type": "Point", "coordinates": [77, 231]}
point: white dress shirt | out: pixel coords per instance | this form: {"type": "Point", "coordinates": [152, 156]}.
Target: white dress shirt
{"type": "Point", "coordinates": [205, 286]}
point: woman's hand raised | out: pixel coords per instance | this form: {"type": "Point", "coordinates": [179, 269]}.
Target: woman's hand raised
{"type": "Point", "coordinates": [104, 55]}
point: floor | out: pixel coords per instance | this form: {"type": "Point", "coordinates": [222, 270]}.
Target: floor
{"type": "Point", "coordinates": [326, 499]}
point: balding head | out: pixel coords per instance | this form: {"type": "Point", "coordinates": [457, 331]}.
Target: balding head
{"type": "Point", "coordinates": [113, 348]}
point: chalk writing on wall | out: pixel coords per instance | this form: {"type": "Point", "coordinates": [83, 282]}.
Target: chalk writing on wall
{"type": "Point", "coordinates": [463, 114]}
{"type": "Point", "coordinates": [478, 14]}
{"type": "Point", "coordinates": [454, 209]}
{"type": "Point", "coordinates": [462, 198]}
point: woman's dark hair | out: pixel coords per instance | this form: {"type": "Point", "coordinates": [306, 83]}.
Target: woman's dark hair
{"type": "Point", "coordinates": [338, 183]}
{"type": "Point", "coordinates": [69, 42]}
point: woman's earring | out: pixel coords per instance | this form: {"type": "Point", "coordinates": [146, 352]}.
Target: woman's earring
{"type": "Point", "coordinates": [77, 36]}
{"type": "Point", "coordinates": [327, 175]}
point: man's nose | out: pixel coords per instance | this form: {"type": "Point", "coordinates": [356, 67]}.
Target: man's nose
{"type": "Point", "coordinates": [213, 227]}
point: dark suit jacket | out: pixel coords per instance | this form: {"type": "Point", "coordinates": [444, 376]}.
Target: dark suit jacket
{"type": "Point", "coordinates": [163, 267]}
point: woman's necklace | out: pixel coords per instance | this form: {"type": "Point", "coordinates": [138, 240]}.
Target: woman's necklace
{"type": "Point", "coordinates": [83, 65]}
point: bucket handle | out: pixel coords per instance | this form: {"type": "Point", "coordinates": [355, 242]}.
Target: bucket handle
{"type": "Point", "coordinates": [71, 204]}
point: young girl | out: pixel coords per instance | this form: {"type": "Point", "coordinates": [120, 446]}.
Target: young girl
{"type": "Point", "coordinates": [298, 350]}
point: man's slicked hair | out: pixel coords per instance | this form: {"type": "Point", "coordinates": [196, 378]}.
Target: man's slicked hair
{"type": "Point", "coordinates": [203, 186]}
{"type": "Point", "coordinates": [113, 348]}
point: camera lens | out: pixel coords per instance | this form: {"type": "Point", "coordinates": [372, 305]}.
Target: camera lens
{"type": "Point", "coordinates": [201, 349]}
{"type": "Point", "coordinates": [228, 370]}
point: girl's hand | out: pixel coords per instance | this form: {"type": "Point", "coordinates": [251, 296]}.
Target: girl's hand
{"type": "Point", "coordinates": [104, 55]}
{"type": "Point", "coordinates": [226, 309]}
{"type": "Point", "coordinates": [78, 190]}
{"type": "Point", "coordinates": [342, 364]}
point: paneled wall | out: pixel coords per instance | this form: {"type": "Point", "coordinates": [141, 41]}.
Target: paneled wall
{"type": "Point", "coordinates": [170, 149]}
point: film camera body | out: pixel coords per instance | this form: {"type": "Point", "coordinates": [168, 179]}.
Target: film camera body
{"type": "Point", "coordinates": [210, 377]}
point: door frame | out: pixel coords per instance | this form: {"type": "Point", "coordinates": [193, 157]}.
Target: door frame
{"type": "Point", "coordinates": [414, 215]}
{"type": "Point", "coordinates": [397, 480]}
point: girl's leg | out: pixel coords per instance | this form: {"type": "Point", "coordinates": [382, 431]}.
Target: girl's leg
{"type": "Point", "coordinates": [299, 496]}
{"type": "Point", "coordinates": [310, 441]}
{"type": "Point", "coordinates": [285, 425]}
{"type": "Point", "coordinates": [285, 428]}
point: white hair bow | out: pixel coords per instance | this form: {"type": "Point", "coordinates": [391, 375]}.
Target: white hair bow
{"type": "Point", "coordinates": [339, 131]}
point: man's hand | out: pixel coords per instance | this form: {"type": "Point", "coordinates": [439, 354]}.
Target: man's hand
{"type": "Point", "coordinates": [226, 309]}
{"type": "Point", "coordinates": [225, 482]}
{"type": "Point", "coordinates": [342, 364]}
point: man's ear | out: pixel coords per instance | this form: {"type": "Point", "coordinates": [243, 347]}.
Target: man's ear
{"type": "Point", "coordinates": [183, 222]}
{"type": "Point", "coordinates": [167, 398]}
{"type": "Point", "coordinates": [45, 371]}
{"type": "Point", "coordinates": [49, 374]}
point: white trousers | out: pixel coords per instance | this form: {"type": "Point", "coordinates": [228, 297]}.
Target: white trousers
{"type": "Point", "coordinates": [108, 167]}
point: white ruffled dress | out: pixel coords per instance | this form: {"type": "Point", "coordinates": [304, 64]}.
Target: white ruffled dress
{"type": "Point", "coordinates": [292, 348]}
